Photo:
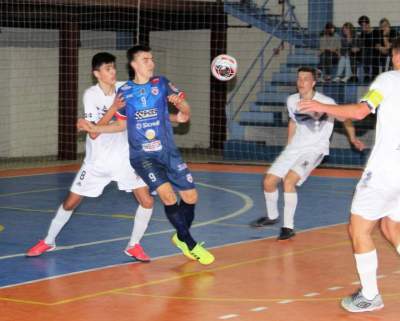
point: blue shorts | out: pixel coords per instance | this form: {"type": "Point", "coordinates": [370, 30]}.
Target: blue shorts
{"type": "Point", "coordinates": [155, 172]}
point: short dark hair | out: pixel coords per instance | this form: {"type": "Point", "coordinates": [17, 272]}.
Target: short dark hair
{"type": "Point", "coordinates": [130, 54]}
{"type": "Point", "coordinates": [363, 19]}
{"type": "Point", "coordinates": [396, 44]}
{"type": "Point", "coordinates": [102, 58]}
{"type": "Point", "coordinates": [311, 70]}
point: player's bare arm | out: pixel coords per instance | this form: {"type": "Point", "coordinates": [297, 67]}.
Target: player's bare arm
{"type": "Point", "coordinates": [183, 106]}
{"type": "Point", "coordinates": [117, 126]}
{"type": "Point", "coordinates": [351, 135]}
{"type": "Point", "coordinates": [350, 111]}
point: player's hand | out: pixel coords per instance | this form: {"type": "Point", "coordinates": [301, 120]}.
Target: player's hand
{"type": "Point", "coordinates": [306, 106]}
{"type": "Point", "coordinates": [358, 144]}
{"type": "Point", "coordinates": [175, 100]}
{"type": "Point", "coordinates": [84, 125]}
{"type": "Point", "coordinates": [182, 117]}
{"type": "Point", "coordinates": [119, 102]}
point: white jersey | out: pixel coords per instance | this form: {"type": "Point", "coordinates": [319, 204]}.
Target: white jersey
{"type": "Point", "coordinates": [385, 156]}
{"type": "Point", "coordinates": [103, 151]}
{"type": "Point", "coordinates": [313, 130]}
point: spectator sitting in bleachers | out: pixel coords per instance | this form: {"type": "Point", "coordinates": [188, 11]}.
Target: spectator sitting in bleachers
{"type": "Point", "coordinates": [329, 46]}
{"type": "Point", "coordinates": [348, 54]}
{"type": "Point", "coordinates": [384, 44]}
{"type": "Point", "coordinates": [368, 53]}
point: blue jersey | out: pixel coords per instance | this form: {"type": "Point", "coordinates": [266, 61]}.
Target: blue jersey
{"type": "Point", "coordinates": [150, 132]}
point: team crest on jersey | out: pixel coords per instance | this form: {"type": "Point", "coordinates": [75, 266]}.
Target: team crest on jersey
{"type": "Point", "coordinates": [147, 113]}
{"type": "Point", "coordinates": [154, 91]}
{"type": "Point", "coordinates": [155, 80]}
{"type": "Point", "coordinates": [182, 167]}
{"type": "Point", "coordinates": [173, 88]}
{"type": "Point", "coordinates": [189, 178]}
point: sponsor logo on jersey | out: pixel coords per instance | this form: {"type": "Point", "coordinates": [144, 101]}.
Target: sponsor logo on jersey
{"type": "Point", "coordinates": [150, 134]}
{"type": "Point", "coordinates": [139, 126]}
{"type": "Point", "coordinates": [150, 124]}
{"type": "Point", "coordinates": [147, 113]}
{"type": "Point", "coordinates": [154, 91]}
{"type": "Point", "coordinates": [173, 88]}
{"type": "Point", "coordinates": [182, 166]}
{"type": "Point", "coordinates": [126, 87]}
{"type": "Point", "coordinates": [155, 80]}
{"type": "Point", "coordinates": [189, 178]}
{"type": "Point", "coordinates": [152, 146]}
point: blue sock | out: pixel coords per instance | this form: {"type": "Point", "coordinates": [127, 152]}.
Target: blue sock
{"type": "Point", "coordinates": [178, 221]}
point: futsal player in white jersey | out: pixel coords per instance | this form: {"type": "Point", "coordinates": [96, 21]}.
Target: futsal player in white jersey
{"type": "Point", "coordinates": [106, 160]}
{"type": "Point", "coordinates": [308, 143]}
{"type": "Point", "coordinates": [377, 195]}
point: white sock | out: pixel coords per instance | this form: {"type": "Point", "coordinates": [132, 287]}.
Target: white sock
{"type": "Point", "coordinates": [271, 202]}
{"type": "Point", "coordinates": [142, 218]}
{"type": "Point", "coordinates": [398, 248]}
{"type": "Point", "coordinates": [289, 209]}
{"type": "Point", "coordinates": [58, 222]}
{"type": "Point", "coordinates": [367, 265]}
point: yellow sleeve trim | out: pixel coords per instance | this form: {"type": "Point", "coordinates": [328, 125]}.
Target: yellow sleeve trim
{"type": "Point", "coordinates": [373, 98]}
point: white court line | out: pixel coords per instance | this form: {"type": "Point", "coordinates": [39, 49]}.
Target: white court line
{"type": "Point", "coordinates": [228, 316]}
{"type": "Point", "coordinates": [381, 276]}
{"type": "Point", "coordinates": [334, 288]}
{"type": "Point", "coordinates": [396, 272]}
{"type": "Point", "coordinates": [309, 295]}
{"type": "Point", "coordinates": [356, 282]}
{"type": "Point", "coordinates": [285, 301]}
{"type": "Point", "coordinates": [248, 204]}
{"type": "Point", "coordinates": [258, 309]}
{"type": "Point", "coordinates": [159, 257]}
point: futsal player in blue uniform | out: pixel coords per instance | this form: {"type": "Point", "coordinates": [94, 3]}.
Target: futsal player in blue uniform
{"type": "Point", "coordinates": [153, 153]}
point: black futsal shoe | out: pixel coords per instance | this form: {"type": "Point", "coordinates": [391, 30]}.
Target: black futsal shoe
{"type": "Point", "coordinates": [264, 221]}
{"type": "Point", "coordinates": [286, 233]}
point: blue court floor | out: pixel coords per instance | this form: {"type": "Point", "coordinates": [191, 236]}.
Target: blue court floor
{"type": "Point", "coordinates": [100, 228]}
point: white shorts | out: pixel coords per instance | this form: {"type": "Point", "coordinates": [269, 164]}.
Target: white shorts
{"type": "Point", "coordinates": [373, 203]}
{"type": "Point", "coordinates": [91, 180]}
{"type": "Point", "coordinates": [301, 163]}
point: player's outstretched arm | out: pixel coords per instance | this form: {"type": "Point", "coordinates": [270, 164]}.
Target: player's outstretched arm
{"type": "Point", "coordinates": [350, 111]}
{"type": "Point", "coordinates": [117, 126]}
{"type": "Point", "coordinates": [351, 135]}
{"type": "Point", "coordinates": [183, 106]}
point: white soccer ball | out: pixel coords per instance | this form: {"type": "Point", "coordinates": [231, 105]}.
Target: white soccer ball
{"type": "Point", "coordinates": [224, 67]}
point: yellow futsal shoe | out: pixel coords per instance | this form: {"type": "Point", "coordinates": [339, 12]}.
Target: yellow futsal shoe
{"type": "Point", "coordinates": [202, 255]}
{"type": "Point", "coordinates": [182, 246]}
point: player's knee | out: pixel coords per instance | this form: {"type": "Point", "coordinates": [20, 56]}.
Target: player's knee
{"type": "Point", "coordinates": [69, 206]}
{"type": "Point", "coordinates": [147, 202]}
{"type": "Point", "coordinates": [168, 198]}
{"type": "Point", "coordinates": [190, 197]}
{"type": "Point", "coordinates": [289, 185]}
{"type": "Point", "coordinates": [269, 184]}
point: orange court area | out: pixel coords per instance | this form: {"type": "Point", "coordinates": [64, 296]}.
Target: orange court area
{"type": "Point", "coordinates": [298, 280]}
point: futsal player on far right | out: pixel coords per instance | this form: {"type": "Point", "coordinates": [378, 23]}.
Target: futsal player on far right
{"type": "Point", "coordinates": [377, 195]}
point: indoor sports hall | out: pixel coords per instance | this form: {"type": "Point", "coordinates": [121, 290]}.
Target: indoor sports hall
{"type": "Point", "coordinates": [240, 122]}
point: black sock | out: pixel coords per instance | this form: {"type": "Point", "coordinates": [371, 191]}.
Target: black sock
{"type": "Point", "coordinates": [188, 211]}
{"type": "Point", "coordinates": [178, 221]}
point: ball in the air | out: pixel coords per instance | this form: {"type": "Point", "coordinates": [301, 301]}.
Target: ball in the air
{"type": "Point", "coordinates": [224, 67]}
